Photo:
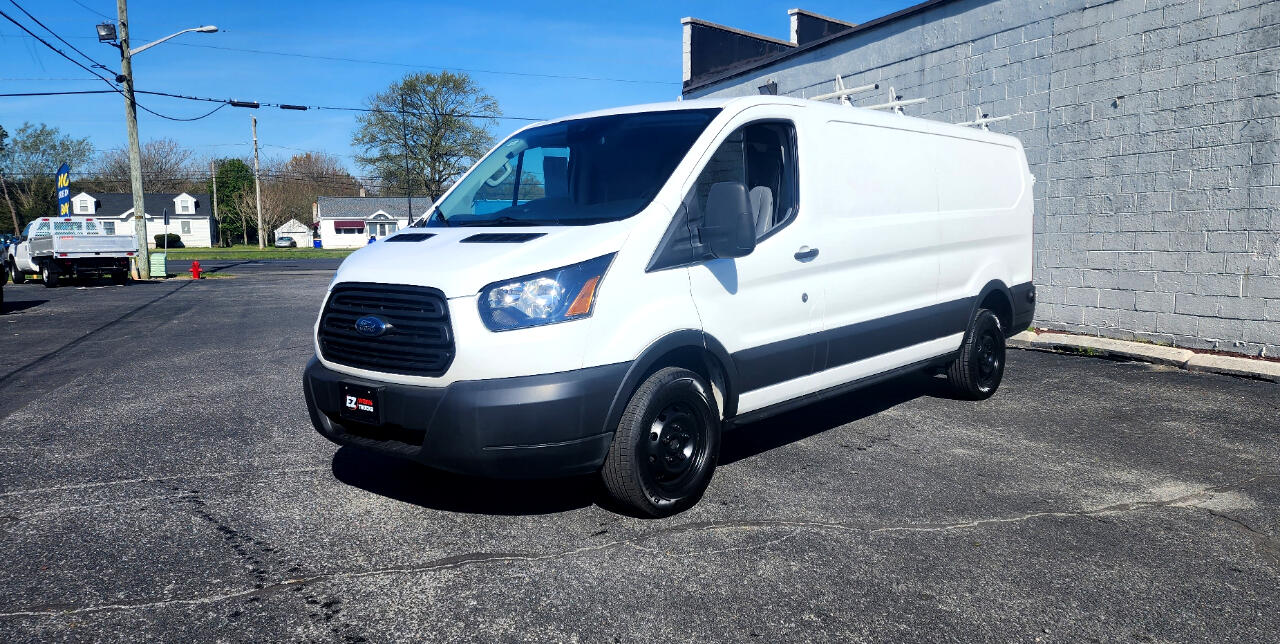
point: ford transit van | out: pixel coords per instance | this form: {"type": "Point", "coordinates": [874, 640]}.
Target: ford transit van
{"type": "Point", "coordinates": [608, 292]}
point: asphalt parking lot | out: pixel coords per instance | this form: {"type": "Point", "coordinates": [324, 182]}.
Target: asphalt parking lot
{"type": "Point", "coordinates": [161, 480]}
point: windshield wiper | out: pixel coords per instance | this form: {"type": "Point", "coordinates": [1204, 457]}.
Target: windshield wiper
{"type": "Point", "coordinates": [505, 221]}
{"type": "Point", "coordinates": [439, 216]}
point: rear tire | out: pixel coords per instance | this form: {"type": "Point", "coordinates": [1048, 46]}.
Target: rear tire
{"type": "Point", "coordinates": [16, 275]}
{"type": "Point", "coordinates": [119, 278]}
{"type": "Point", "coordinates": [49, 277]}
{"type": "Point", "coordinates": [977, 370]}
{"type": "Point", "coordinates": [666, 445]}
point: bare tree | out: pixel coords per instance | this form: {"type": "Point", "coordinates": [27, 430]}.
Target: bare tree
{"type": "Point", "coordinates": [290, 186]}
{"type": "Point", "coordinates": [166, 167]}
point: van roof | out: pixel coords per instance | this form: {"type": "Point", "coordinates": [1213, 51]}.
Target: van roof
{"type": "Point", "coordinates": [835, 110]}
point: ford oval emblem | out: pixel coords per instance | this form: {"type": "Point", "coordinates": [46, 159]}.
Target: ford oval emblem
{"type": "Point", "coordinates": [371, 326]}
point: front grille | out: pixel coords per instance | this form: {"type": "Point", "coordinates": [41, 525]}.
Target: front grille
{"type": "Point", "coordinates": [417, 342]}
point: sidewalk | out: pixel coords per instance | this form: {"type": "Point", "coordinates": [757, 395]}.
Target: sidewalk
{"type": "Point", "coordinates": [1144, 352]}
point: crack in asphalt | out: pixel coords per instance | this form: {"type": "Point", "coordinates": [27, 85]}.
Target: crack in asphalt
{"type": "Point", "coordinates": [1269, 545]}
{"type": "Point", "coordinates": [157, 479]}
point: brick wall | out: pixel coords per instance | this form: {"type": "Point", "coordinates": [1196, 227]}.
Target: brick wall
{"type": "Point", "coordinates": [1152, 126]}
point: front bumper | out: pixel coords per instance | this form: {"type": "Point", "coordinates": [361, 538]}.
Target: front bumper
{"type": "Point", "coordinates": [529, 426]}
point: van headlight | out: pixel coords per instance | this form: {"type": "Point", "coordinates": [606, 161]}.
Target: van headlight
{"type": "Point", "coordinates": [557, 295]}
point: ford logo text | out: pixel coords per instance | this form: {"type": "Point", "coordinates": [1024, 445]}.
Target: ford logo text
{"type": "Point", "coordinates": [371, 326]}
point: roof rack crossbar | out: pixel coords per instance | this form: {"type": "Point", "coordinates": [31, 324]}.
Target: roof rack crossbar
{"type": "Point", "coordinates": [896, 102]}
{"type": "Point", "coordinates": [843, 92]}
{"type": "Point", "coordinates": [983, 119]}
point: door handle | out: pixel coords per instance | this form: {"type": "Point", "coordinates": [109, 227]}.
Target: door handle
{"type": "Point", "coordinates": [805, 254]}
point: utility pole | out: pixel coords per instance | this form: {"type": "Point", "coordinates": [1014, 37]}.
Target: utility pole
{"type": "Point", "coordinates": [135, 154]}
{"type": "Point", "coordinates": [404, 130]}
{"type": "Point", "coordinates": [257, 185]}
{"type": "Point", "coordinates": [213, 172]}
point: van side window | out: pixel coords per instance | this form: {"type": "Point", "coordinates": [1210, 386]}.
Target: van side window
{"type": "Point", "coordinates": [761, 156]}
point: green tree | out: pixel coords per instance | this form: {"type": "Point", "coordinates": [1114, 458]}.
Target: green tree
{"type": "Point", "coordinates": [29, 163]}
{"type": "Point", "coordinates": [8, 204]}
{"type": "Point", "coordinates": [424, 131]}
{"type": "Point", "coordinates": [235, 178]}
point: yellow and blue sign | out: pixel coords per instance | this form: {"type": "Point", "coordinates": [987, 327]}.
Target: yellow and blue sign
{"type": "Point", "coordinates": [64, 191]}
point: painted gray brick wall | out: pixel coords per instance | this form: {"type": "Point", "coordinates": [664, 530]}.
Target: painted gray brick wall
{"type": "Point", "coordinates": [1152, 126]}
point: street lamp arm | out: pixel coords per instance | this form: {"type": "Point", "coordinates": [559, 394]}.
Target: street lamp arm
{"type": "Point", "coordinates": [137, 50]}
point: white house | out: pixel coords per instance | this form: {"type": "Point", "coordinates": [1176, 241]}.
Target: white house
{"type": "Point", "coordinates": [299, 231]}
{"type": "Point", "coordinates": [190, 216]}
{"type": "Point", "coordinates": [349, 222]}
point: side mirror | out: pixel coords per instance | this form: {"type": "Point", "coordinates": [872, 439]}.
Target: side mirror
{"type": "Point", "coordinates": [728, 227]}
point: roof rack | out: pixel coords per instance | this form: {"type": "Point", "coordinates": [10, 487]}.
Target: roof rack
{"type": "Point", "coordinates": [843, 93]}
{"type": "Point", "coordinates": [896, 102]}
{"type": "Point", "coordinates": [983, 119]}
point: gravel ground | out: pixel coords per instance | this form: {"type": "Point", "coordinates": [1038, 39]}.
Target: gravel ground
{"type": "Point", "coordinates": [161, 481]}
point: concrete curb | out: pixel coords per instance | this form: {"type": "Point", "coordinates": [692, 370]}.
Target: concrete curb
{"type": "Point", "coordinates": [1235, 366]}
{"type": "Point", "coordinates": [1153, 353]}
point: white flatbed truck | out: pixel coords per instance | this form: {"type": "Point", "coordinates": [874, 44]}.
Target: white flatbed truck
{"type": "Point", "coordinates": [58, 248]}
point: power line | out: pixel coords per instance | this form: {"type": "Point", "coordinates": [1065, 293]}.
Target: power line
{"type": "Point", "coordinates": [91, 71]}
{"type": "Point", "coordinates": [46, 78]}
{"type": "Point", "coordinates": [367, 61]}
{"type": "Point", "coordinates": [224, 102]}
{"type": "Point", "coordinates": [92, 10]}
{"type": "Point", "coordinates": [55, 35]}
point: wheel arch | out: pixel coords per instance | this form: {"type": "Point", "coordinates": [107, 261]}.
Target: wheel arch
{"type": "Point", "coordinates": [691, 349]}
{"type": "Point", "coordinates": [996, 297]}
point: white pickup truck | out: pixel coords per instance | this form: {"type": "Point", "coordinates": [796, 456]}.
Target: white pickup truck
{"type": "Point", "coordinates": [69, 247]}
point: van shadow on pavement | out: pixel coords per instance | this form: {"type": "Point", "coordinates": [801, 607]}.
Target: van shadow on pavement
{"type": "Point", "coordinates": [13, 306]}
{"type": "Point", "coordinates": [414, 483]}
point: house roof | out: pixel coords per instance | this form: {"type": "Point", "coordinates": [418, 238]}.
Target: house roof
{"type": "Point", "coordinates": [363, 207]}
{"type": "Point", "coordinates": [115, 204]}
{"type": "Point", "coordinates": [293, 225]}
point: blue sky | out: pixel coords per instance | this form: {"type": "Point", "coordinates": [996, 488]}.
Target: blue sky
{"type": "Point", "coordinates": [633, 41]}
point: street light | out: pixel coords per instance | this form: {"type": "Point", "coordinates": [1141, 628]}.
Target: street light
{"type": "Point", "coordinates": [131, 122]}
{"type": "Point", "coordinates": [207, 29]}
{"type": "Point", "coordinates": [106, 32]}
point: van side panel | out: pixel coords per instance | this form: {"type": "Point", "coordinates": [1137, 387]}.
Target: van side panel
{"type": "Point", "coordinates": [879, 216]}
{"type": "Point", "coordinates": [985, 200]}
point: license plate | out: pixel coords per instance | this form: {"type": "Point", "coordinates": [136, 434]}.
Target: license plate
{"type": "Point", "coordinates": [360, 403]}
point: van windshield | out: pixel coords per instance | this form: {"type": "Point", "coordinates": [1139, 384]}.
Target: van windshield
{"type": "Point", "coordinates": [579, 172]}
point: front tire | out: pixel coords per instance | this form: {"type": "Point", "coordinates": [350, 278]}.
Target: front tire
{"type": "Point", "coordinates": [16, 275]}
{"type": "Point", "coordinates": [976, 372]}
{"type": "Point", "coordinates": [49, 277]}
{"type": "Point", "coordinates": [666, 446]}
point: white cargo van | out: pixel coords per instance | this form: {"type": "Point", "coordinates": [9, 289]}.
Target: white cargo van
{"type": "Point", "coordinates": [609, 291]}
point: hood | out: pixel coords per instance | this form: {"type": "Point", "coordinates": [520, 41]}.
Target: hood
{"type": "Point", "coordinates": [461, 268]}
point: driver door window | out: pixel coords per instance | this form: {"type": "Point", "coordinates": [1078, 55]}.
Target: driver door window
{"type": "Point", "coordinates": [762, 157]}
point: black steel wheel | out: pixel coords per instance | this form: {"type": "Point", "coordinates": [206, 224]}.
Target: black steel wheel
{"type": "Point", "coordinates": [666, 446]}
{"type": "Point", "coordinates": [979, 367]}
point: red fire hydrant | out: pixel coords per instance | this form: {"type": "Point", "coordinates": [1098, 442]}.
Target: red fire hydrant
{"type": "Point", "coordinates": [195, 270]}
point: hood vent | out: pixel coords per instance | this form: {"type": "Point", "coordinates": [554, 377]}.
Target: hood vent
{"type": "Point", "coordinates": [411, 237]}
{"type": "Point", "coordinates": [501, 238]}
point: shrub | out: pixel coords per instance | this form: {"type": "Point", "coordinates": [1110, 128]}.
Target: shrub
{"type": "Point", "coordinates": [175, 240]}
